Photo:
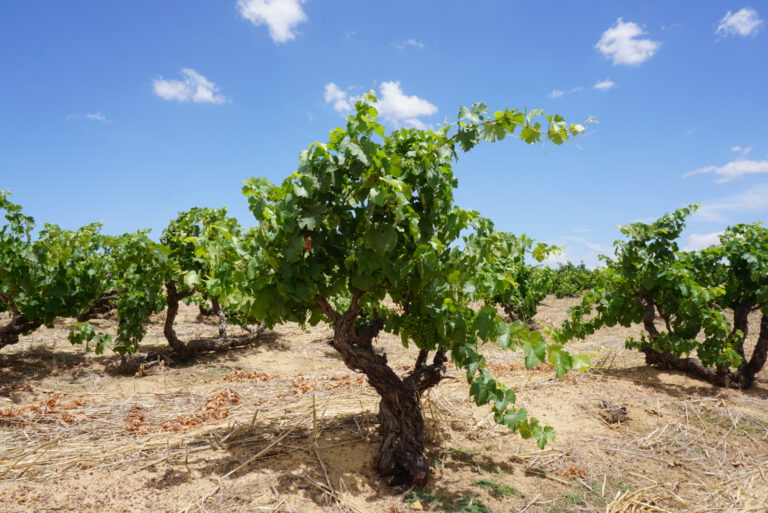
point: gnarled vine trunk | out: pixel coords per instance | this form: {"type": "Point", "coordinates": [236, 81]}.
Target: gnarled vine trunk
{"type": "Point", "coordinates": [742, 378]}
{"type": "Point", "coordinates": [755, 364]}
{"type": "Point", "coordinates": [17, 326]}
{"type": "Point", "coordinates": [513, 316]}
{"type": "Point", "coordinates": [204, 311]}
{"type": "Point", "coordinates": [187, 350]}
{"type": "Point", "coordinates": [216, 307]}
{"type": "Point", "coordinates": [101, 306]}
{"type": "Point", "coordinates": [401, 421]}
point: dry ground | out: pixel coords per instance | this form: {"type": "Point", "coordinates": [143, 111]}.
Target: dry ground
{"type": "Point", "coordinates": [284, 426]}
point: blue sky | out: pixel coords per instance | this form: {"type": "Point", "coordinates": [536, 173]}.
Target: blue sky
{"type": "Point", "coordinates": [128, 112]}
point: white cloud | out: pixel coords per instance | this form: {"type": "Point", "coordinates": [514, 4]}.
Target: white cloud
{"type": "Point", "coordinates": [97, 116]}
{"type": "Point", "coordinates": [281, 16]}
{"type": "Point", "coordinates": [193, 87]}
{"type": "Point", "coordinates": [394, 106]}
{"type": "Point", "coordinates": [575, 249]}
{"type": "Point", "coordinates": [697, 241]}
{"type": "Point", "coordinates": [600, 248]}
{"type": "Point", "coordinates": [733, 169]}
{"type": "Point", "coordinates": [92, 116]}
{"type": "Point", "coordinates": [621, 43]}
{"type": "Point", "coordinates": [341, 101]}
{"type": "Point", "coordinates": [589, 259]}
{"type": "Point", "coordinates": [403, 110]}
{"type": "Point", "coordinates": [751, 200]}
{"type": "Point", "coordinates": [744, 22]}
{"type": "Point", "coordinates": [742, 150]}
{"type": "Point", "coordinates": [559, 93]}
{"type": "Point", "coordinates": [604, 85]}
{"type": "Point", "coordinates": [593, 260]}
{"type": "Point", "coordinates": [412, 43]}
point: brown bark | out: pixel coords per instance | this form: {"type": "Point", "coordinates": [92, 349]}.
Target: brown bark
{"type": "Point", "coordinates": [192, 347]}
{"type": "Point", "coordinates": [205, 312]}
{"type": "Point", "coordinates": [759, 353]}
{"type": "Point", "coordinates": [187, 350]}
{"type": "Point", "coordinates": [101, 306]}
{"type": "Point", "coordinates": [649, 318]}
{"type": "Point", "coordinates": [216, 307]}
{"type": "Point", "coordinates": [18, 325]}
{"type": "Point", "coordinates": [512, 316]}
{"type": "Point", "coordinates": [173, 296]}
{"type": "Point", "coordinates": [741, 320]}
{"type": "Point", "coordinates": [401, 422]}
{"type": "Point", "coordinates": [722, 377]}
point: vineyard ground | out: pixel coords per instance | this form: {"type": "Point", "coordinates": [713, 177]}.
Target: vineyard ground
{"type": "Point", "coordinates": [284, 426]}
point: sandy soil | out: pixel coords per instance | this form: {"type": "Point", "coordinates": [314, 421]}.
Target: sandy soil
{"type": "Point", "coordinates": [284, 426]}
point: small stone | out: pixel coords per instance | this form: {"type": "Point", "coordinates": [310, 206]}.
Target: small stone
{"type": "Point", "coordinates": [417, 506]}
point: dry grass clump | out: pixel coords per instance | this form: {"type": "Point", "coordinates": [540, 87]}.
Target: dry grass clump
{"type": "Point", "coordinates": [715, 456]}
{"type": "Point", "coordinates": [41, 445]}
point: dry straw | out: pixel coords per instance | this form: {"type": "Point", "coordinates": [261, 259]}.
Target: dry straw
{"type": "Point", "coordinates": [43, 446]}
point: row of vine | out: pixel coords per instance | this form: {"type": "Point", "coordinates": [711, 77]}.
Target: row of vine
{"type": "Point", "coordinates": [369, 219]}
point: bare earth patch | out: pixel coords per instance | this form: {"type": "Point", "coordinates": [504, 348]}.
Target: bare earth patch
{"type": "Point", "coordinates": [284, 426]}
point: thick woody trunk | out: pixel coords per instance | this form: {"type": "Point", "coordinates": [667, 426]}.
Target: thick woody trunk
{"type": "Point", "coordinates": [513, 316]}
{"type": "Point", "coordinates": [18, 325]}
{"type": "Point", "coordinates": [205, 312]}
{"type": "Point", "coordinates": [173, 296]}
{"type": "Point", "coordinates": [741, 322]}
{"type": "Point", "coordinates": [216, 307]}
{"type": "Point", "coordinates": [401, 422]}
{"type": "Point", "coordinates": [401, 453]}
{"type": "Point", "coordinates": [722, 376]}
{"type": "Point", "coordinates": [101, 306]}
{"type": "Point", "coordinates": [401, 426]}
{"type": "Point", "coordinates": [187, 350]}
{"type": "Point", "coordinates": [219, 312]}
{"type": "Point", "coordinates": [759, 354]}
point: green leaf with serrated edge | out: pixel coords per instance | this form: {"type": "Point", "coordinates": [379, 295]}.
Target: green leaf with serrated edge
{"type": "Point", "coordinates": [543, 435]}
{"type": "Point", "coordinates": [482, 389]}
{"type": "Point", "coordinates": [514, 418]}
{"type": "Point", "coordinates": [191, 279]}
{"type": "Point", "coordinates": [534, 354]}
{"type": "Point", "coordinates": [508, 398]}
{"type": "Point", "coordinates": [503, 334]}
{"type": "Point", "coordinates": [484, 322]}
